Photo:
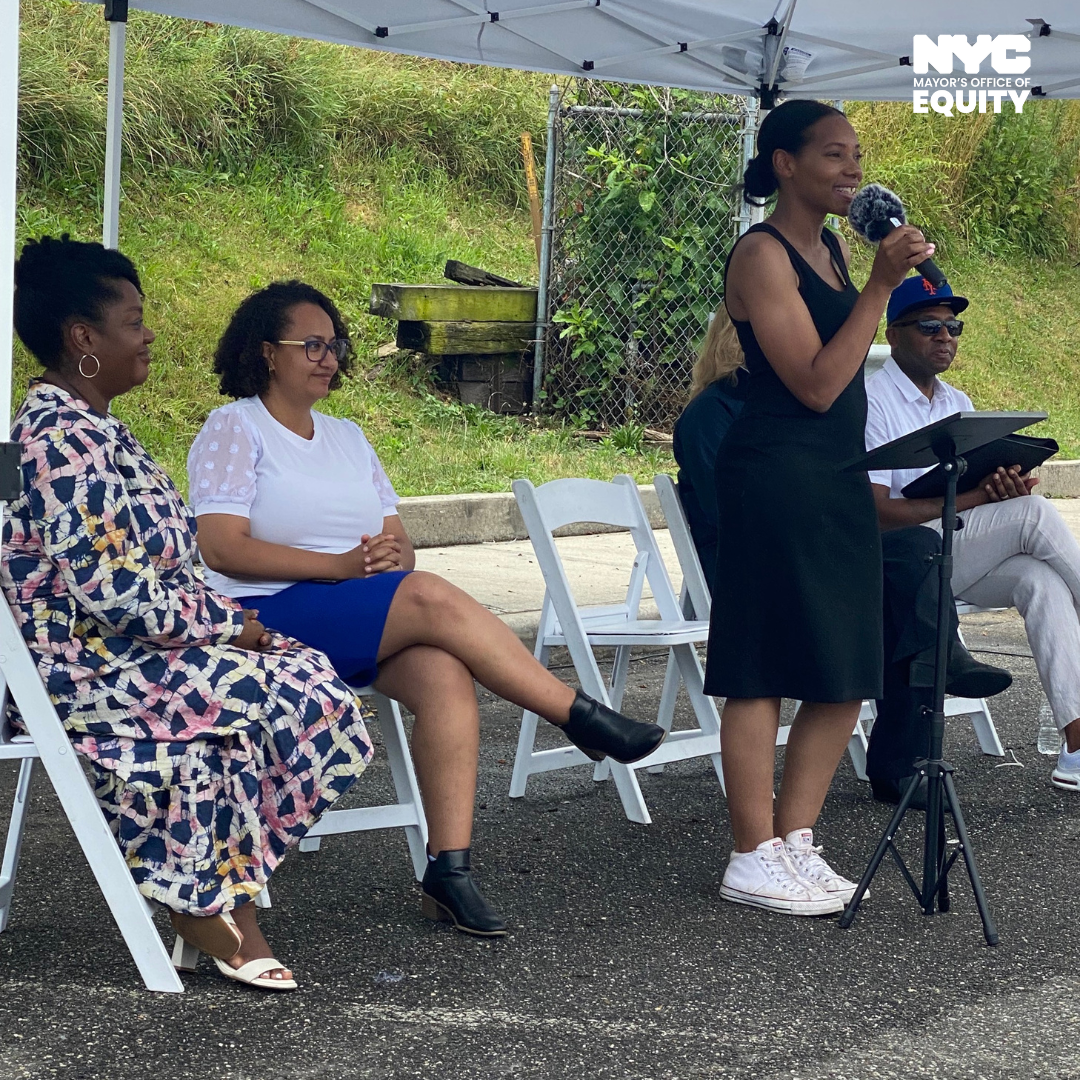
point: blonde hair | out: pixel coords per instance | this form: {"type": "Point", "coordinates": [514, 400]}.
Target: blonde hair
{"type": "Point", "coordinates": [720, 355]}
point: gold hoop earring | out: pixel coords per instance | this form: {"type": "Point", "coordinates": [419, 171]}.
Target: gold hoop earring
{"type": "Point", "coordinates": [85, 374]}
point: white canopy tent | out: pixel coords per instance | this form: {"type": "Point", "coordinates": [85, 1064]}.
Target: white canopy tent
{"type": "Point", "coordinates": [853, 51]}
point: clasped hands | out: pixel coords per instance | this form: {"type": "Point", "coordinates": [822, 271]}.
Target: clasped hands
{"type": "Point", "coordinates": [1008, 483]}
{"type": "Point", "coordinates": [373, 555]}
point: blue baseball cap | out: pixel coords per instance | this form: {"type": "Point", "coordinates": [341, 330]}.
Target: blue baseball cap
{"type": "Point", "coordinates": [916, 292]}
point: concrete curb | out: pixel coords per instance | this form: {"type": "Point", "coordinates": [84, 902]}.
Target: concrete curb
{"type": "Point", "coordinates": [449, 520]}
{"type": "Point", "coordinates": [1059, 479]}
{"type": "Point", "coordinates": [484, 518]}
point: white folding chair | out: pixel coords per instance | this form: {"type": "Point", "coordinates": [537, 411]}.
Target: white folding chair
{"type": "Point", "coordinates": [407, 813]}
{"type": "Point", "coordinates": [697, 603]}
{"type": "Point", "coordinates": [562, 622]}
{"type": "Point", "coordinates": [48, 742]}
{"type": "Point", "coordinates": [975, 709]}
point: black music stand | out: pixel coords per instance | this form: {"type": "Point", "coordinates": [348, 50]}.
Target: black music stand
{"type": "Point", "coordinates": [944, 442]}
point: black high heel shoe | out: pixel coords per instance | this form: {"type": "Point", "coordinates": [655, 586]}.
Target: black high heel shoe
{"type": "Point", "coordinates": [449, 894]}
{"type": "Point", "coordinates": [600, 732]}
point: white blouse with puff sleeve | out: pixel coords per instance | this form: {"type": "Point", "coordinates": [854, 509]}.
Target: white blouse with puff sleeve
{"type": "Point", "coordinates": [319, 494]}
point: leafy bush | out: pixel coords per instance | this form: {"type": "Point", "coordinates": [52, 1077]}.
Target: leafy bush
{"type": "Point", "coordinates": [644, 217]}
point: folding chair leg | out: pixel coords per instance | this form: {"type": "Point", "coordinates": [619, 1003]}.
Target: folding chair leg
{"type": "Point", "coordinates": [985, 731]}
{"type": "Point", "coordinates": [404, 776]}
{"type": "Point", "coordinates": [857, 749]}
{"type": "Point", "coordinates": [629, 790]}
{"type": "Point", "coordinates": [693, 678]}
{"type": "Point", "coordinates": [13, 847]}
{"type": "Point", "coordinates": [619, 671]}
{"type": "Point", "coordinates": [526, 740]}
{"type": "Point", "coordinates": [666, 715]}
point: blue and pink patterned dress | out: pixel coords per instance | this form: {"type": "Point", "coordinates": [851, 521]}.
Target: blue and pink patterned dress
{"type": "Point", "coordinates": [209, 760]}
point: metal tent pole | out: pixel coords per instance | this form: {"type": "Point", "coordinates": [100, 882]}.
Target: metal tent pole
{"type": "Point", "coordinates": [750, 126]}
{"type": "Point", "coordinates": [545, 249]}
{"type": "Point", "coordinates": [116, 13]}
{"type": "Point", "coordinates": [9, 119]}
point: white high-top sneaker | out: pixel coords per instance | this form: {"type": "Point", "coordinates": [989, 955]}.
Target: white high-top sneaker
{"type": "Point", "coordinates": [810, 866]}
{"type": "Point", "coordinates": [766, 878]}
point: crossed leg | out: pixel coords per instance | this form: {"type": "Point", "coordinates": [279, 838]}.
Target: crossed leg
{"type": "Point", "coordinates": [428, 610]}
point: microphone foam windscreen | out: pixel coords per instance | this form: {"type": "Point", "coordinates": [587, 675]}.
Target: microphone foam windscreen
{"type": "Point", "coordinates": [871, 210]}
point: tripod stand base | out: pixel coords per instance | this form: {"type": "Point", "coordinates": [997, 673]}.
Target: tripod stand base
{"type": "Point", "coordinates": [935, 889]}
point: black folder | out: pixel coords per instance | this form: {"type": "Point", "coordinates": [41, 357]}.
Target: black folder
{"type": "Point", "coordinates": [1024, 450]}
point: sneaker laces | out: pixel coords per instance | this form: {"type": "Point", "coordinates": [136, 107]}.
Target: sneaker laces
{"type": "Point", "coordinates": [808, 863]}
{"type": "Point", "coordinates": [783, 872]}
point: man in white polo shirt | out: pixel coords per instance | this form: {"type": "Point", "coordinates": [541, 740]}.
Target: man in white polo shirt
{"type": "Point", "coordinates": [1014, 548]}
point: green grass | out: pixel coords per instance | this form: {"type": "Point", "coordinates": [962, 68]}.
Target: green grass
{"type": "Point", "coordinates": [251, 157]}
{"type": "Point", "coordinates": [202, 245]}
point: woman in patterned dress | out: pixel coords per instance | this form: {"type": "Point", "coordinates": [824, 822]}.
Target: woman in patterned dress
{"type": "Point", "coordinates": [214, 744]}
{"type": "Point", "coordinates": [297, 517]}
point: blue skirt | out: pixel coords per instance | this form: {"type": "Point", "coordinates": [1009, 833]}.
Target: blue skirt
{"type": "Point", "coordinates": [344, 619]}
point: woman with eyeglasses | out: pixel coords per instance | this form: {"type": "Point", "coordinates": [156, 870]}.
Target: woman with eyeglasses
{"type": "Point", "coordinates": [802, 617]}
{"type": "Point", "coordinates": [298, 518]}
{"type": "Point", "coordinates": [213, 743]}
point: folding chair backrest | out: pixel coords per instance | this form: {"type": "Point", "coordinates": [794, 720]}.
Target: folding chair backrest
{"type": "Point", "coordinates": [697, 588]}
{"type": "Point", "coordinates": [564, 502]}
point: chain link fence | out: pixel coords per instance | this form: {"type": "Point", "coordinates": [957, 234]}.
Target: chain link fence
{"type": "Point", "coordinates": [643, 214]}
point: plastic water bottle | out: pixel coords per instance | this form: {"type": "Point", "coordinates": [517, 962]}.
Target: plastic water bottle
{"type": "Point", "coordinates": [1049, 736]}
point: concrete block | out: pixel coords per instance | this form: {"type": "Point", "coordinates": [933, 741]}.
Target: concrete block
{"type": "Point", "coordinates": [1059, 479]}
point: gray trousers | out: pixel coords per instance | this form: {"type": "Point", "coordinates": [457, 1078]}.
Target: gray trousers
{"type": "Point", "coordinates": [1020, 553]}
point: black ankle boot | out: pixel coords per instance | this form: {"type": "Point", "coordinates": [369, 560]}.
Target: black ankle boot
{"type": "Point", "coordinates": [964, 677]}
{"type": "Point", "coordinates": [598, 732]}
{"type": "Point", "coordinates": [449, 894]}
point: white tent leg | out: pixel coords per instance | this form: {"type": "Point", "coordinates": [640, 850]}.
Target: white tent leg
{"type": "Point", "coordinates": [9, 117]}
{"type": "Point", "coordinates": [114, 130]}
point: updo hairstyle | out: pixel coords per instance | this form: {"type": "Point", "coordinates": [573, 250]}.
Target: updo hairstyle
{"type": "Point", "coordinates": [785, 128]}
{"type": "Point", "coordinates": [263, 316]}
{"type": "Point", "coordinates": [57, 281]}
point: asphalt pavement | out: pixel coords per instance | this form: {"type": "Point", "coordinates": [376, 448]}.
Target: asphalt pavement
{"type": "Point", "coordinates": [623, 961]}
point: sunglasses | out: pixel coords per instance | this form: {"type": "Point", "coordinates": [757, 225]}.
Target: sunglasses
{"type": "Point", "coordinates": [930, 327]}
{"type": "Point", "coordinates": [316, 350]}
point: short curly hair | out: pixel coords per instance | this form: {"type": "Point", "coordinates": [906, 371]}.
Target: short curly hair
{"type": "Point", "coordinates": [59, 280]}
{"type": "Point", "coordinates": [263, 316]}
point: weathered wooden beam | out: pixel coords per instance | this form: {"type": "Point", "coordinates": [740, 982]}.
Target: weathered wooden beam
{"type": "Point", "coordinates": [462, 338]}
{"type": "Point", "coordinates": [453, 303]}
{"type": "Point", "coordinates": [473, 275]}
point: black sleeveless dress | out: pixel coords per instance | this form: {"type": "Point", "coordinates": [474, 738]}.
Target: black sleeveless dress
{"type": "Point", "coordinates": [801, 615]}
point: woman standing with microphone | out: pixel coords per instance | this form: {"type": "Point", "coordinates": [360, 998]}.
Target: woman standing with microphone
{"type": "Point", "coordinates": [802, 619]}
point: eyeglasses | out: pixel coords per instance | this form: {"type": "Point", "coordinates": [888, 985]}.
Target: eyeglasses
{"type": "Point", "coordinates": [930, 327]}
{"type": "Point", "coordinates": [315, 349]}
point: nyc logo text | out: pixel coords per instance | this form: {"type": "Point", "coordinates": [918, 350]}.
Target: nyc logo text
{"type": "Point", "coordinates": [972, 90]}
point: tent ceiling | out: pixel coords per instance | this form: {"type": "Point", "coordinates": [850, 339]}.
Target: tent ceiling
{"type": "Point", "coordinates": [698, 44]}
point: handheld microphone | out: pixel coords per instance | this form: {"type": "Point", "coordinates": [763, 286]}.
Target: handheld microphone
{"type": "Point", "coordinates": [875, 212]}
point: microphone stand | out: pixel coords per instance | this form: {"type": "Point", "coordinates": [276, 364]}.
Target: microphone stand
{"type": "Point", "coordinates": [941, 792]}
